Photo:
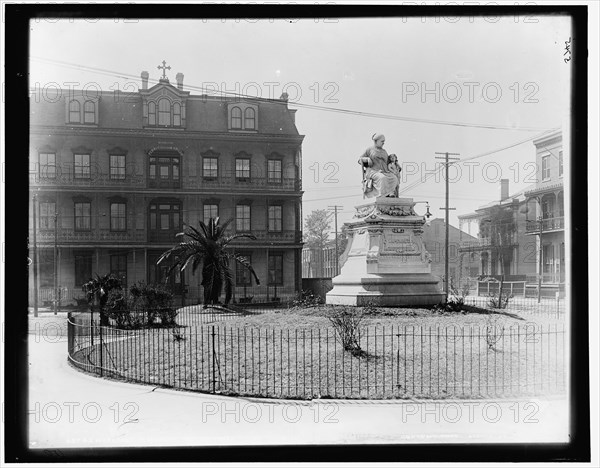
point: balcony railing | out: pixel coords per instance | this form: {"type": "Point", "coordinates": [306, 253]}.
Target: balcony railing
{"type": "Point", "coordinates": [479, 244]}
{"type": "Point", "coordinates": [94, 180]}
{"type": "Point", "coordinates": [548, 224]}
{"type": "Point", "coordinates": [94, 235]}
{"type": "Point", "coordinates": [288, 235]}
{"type": "Point", "coordinates": [139, 235]}
{"type": "Point", "coordinates": [187, 182]}
{"type": "Point", "coordinates": [251, 184]}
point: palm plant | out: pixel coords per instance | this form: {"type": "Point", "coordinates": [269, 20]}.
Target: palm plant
{"type": "Point", "coordinates": [96, 291]}
{"type": "Point", "coordinates": [207, 247]}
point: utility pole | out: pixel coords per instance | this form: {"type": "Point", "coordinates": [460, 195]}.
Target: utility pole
{"type": "Point", "coordinates": [337, 254]}
{"type": "Point", "coordinates": [447, 208]}
{"type": "Point", "coordinates": [35, 259]}
{"type": "Point", "coordinates": [55, 302]}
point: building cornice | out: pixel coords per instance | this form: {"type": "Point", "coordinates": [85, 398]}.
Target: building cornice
{"type": "Point", "coordinates": [544, 189]}
{"type": "Point", "coordinates": [166, 192]}
{"type": "Point", "coordinates": [161, 133]}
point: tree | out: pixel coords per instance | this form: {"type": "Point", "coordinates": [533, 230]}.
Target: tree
{"type": "Point", "coordinates": [207, 247]}
{"type": "Point", "coordinates": [317, 226]}
{"type": "Point", "coordinates": [97, 294]}
{"type": "Point", "coordinates": [499, 226]}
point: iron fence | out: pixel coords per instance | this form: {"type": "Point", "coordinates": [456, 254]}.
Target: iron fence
{"type": "Point", "coordinates": [393, 362]}
{"type": "Point", "coordinates": [555, 307]}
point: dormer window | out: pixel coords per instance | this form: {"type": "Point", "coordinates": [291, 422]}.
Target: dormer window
{"type": "Point", "coordinates": [243, 117]}
{"type": "Point", "coordinates": [249, 118]}
{"type": "Point", "coordinates": [74, 112]}
{"type": "Point", "coordinates": [151, 113]}
{"type": "Point", "coordinates": [163, 105]}
{"type": "Point", "coordinates": [236, 118]}
{"type": "Point", "coordinates": [163, 113]}
{"type": "Point", "coordinates": [81, 109]}
{"type": "Point", "coordinates": [89, 112]}
{"type": "Point", "coordinates": [177, 115]}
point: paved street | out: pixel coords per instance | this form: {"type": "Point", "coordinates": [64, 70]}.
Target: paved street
{"type": "Point", "coordinates": [72, 409]}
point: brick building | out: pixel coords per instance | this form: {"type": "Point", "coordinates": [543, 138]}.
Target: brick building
{"type": "Point", "coordinates": [115, 176]}
{"type": "Point", "coordinates": [434, 239]}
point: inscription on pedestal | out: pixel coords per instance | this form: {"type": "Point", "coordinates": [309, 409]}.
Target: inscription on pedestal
{"type": "Point", "coordinates": [400, 243]}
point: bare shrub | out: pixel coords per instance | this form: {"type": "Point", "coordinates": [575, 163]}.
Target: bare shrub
{"type": "Point", "coordinates": [347, 324]}
{"type": "Point", "coordinates": [493, 332]}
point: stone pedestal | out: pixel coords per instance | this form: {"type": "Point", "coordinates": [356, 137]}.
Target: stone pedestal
{"type": "Point", "coordinates": [385, 262]}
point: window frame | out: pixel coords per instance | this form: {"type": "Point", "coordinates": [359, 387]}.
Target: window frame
{"type": "Point", "coordinates": [43, 167]}
{"type": "Point", "coordinates": [246, 220]}
{"type": "Point", "coordinates": [233, 117]}
{"type": "Point", "coordinates": [246, 119]}
{"type": "Point", "coordinates": [546, 167]}
{"type": "Point", "coordinates": [274, 218]}
{"type": "Point", "coordinates": [206, 159]}
{"type": "Point", "coordinates": [114, 228]}
{"type": "Point", "coordinates": [87, 112]}
{"type": "Point", "coordinates": [175, 206]}
{"type": "Point", "coordinates": [273, 271]}
{"type": "Point", "coordinates": [46, 220]}
{"type": "Point", "coordinates": [152, 114]}
{"type": "Point", "coordinates": [71, 111]}
{"type": "Point", "coordinates": [271, 180]}
{"type": "Point", "coordinates": [159, 161]}
{"type": "Point", "coordinates": [205, 220]}
{"type": "Point", "coordinates": [81, 174]}
{"type": "Point", "coordinates": [560, 164]}
{"type": "Point", "coordinates": [113, 173]}
{"type": "Point", "coordinates": [239, 173]}
{"type": "Point", "coordinates": [162, 113]}
{"type": "Point", "coordinates": [76, 217]}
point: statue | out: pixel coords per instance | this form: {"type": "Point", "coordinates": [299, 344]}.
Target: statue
{"type": "Point", "coordinates": [381, 172]}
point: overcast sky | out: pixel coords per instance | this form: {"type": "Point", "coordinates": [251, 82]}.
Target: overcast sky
{"type": "Point", "coordinates": [509, 71]}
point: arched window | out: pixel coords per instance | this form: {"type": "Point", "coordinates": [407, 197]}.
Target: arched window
{"type": "Point", "coordinates": [236, 117]}
{"type": "Point", "coordinates": [249, 119]}
{"type": "Point", "coordinates": [177, 114]}
{"type": "Point", "coordinates": [164, 112]}
{"type": "Point", "coordinates": [89, 112]}
{"type": "Point", "coordinates": [151, 113]}
{"type": "Point", "coordinates": [74, 112]}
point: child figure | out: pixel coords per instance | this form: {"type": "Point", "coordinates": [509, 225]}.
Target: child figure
{"type": "Point", "coordinates": [395, 169]}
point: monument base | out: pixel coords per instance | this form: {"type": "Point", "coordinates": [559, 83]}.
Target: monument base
{"type": "Point", "coordinates": [385, 262]}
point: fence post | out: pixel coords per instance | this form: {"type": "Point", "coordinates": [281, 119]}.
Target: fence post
{"type": "Point", "coordinates": [214, 358]}
{"type": "Point", "coordinates": [101, 352]}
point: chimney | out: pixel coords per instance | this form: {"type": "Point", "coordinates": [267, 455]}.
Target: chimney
{"type": "Point", "coordinates": [503, 189]}
{"type": "Point", "coordinates": [179, 78]}
{"type": "Point", "coordinates": [145, 76]}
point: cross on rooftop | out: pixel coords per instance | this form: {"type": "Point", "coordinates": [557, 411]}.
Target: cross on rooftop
{"type": "Point", "coordinates": [164, 68]}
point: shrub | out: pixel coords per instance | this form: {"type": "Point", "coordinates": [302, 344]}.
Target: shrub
{"type": "Point", "coordinates": [155, 300]}
{"type": "Point", "coordinates": [347, 325]}
{"type": "Point", "coordinates": [307, 299]}
{"type": "Point", "coordinates": [496, 301]}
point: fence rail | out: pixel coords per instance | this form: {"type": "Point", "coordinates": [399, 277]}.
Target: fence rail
{"type": "Point", "coordinates": [394, 362]}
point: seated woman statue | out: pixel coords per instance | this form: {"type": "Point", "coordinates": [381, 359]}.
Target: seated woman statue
{"type": "Point", "coordinates": [379, 180]}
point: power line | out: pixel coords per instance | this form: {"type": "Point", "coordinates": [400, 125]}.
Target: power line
{"type": "Point", "coordinates": [121, 75]}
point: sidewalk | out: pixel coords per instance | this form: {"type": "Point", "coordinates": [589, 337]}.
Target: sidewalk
{"type": "Point", "coordinates": [68, 408]}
